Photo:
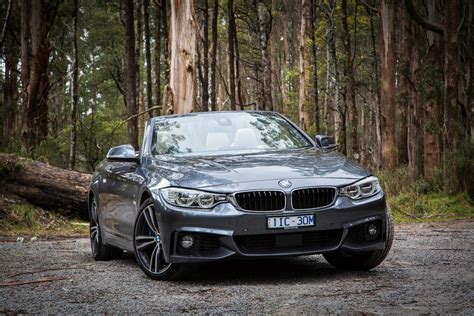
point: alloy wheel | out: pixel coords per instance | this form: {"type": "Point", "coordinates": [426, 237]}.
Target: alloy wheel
{"type": "Point", "coordinates": [94, 228]}
{"type": "Point", "coordinates": [148, 243]}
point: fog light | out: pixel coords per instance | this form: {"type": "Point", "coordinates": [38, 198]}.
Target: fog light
{"type": "Point", "coordinates": [186, 241]}
{"type": "Point", "coordinates": [373, 229]}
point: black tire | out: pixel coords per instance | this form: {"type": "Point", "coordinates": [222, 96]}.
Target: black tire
{"type": "Point", "coordinates": [149, 249]}
{"type": "Point", "coordinates": [367, 260]}
{"type": "Point", "coordinates": [100, 251]}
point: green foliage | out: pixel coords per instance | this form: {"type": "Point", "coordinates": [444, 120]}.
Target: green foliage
{"type": "Point", "coordinates": [9, 167]}
{"type": "Point", "coordinates": [400, 181]}
{"type": "Point", "coordinates": [396, 182]}
{"type": "Point", "coordinates": [24, 214]}
{"type": "Point", "coordinates": [413, 206]}
{"type": "Point", "coordinates": [14, 146]}
{"type": "Point", "coordinates": [460, 170]}
{"type": "Point", "coordinates": [419, 200]}
{"type": "Point", "coordinates": [54, 150]}
{"type": "Point", "coordinates": [430, 82]}
{"type": "Point", "coordinates": [432, 128]}
{"type": "Point", "coordinates": [21, 218]}
{"type": "Point", "coordinates": [311, 130]}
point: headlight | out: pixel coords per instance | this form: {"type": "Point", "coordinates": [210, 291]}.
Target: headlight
{"type": "Point", "coordinates": [191, 198]}
{"type": "Point", "coordinates": [362, 189]}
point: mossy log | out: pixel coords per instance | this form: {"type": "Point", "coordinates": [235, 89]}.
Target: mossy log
{"type": "Point", "coordinates": [41, 184]}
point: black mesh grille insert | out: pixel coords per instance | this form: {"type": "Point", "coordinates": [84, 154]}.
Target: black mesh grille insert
{"type": "Point", "coordinates": [312, 198]}
{"type": "Point", "coordinates": [288, 242]}
{"type": "Point", "coordinates": [261, 200]}
{"type": "Point", "coordinates": [208, 243]}
{"type": "Point", "coordinates": [359, 233]}
{"type": "Point", "coordinates": [356, 234]}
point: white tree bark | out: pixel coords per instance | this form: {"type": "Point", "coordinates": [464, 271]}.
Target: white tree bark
{"type": "Point", "coordinates": [302, 100]}
{"type": "Point", "coordinates": [183, 48]}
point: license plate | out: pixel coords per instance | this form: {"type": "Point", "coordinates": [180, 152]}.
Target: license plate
{"type": "Point", "coordinates": [290, 221]}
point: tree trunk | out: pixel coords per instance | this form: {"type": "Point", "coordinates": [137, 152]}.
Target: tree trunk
{"type": "Point", "coordinates": [9, 51]}
{"type": "Point", "coordinates": [215, 13]}
{"type": "Point", "coordinates": [283, 70]}
{"type": "Point", "coordinates": [199, 68]}
{"type": "Point", "coordinates": [377, 140]}
{"type": "Point", "coordinates": [237, 66]}
{"type": "Point", "coordinates": [277, 46]}
{"type": "Point", "coordinates": [339, 112]}
{"type": "Point", "coordinates": [138, 4]}
{"type": "Point", "coordinates": [350, 80]}
{"type": "Point", "coordinates": [387, 91]}
{"type": "Point", "coordinates": [265, 24]}
{"type": "Point", "coordinates": [10, 87]}
{"type": "Point", "coordinates": [35, 122]}
{"type": "Point", "coordinates": [205, 59]}
{"type": "Point", "coordinates": [405, 92]}
{"type": "Point", "coordinates": [327, 122]}
{"type": "Point", "coordinates": [149, 83]}
{"type": "Point", "coordinates": [43, 185]}
{"type": "Point", "coordinates": [75, 87]}
{"type": "Point", "coordinates": [238, 77]}
{"type": "Point", "coordinates": [183, 49]}
{"type": "Point", "coordinates": [231, 57]}
{"type": "Point", "coordinates": [317, 117]}
{"type": "Point", "coordinates": [25, 57]}
{"type": "Point", "coordinates": [5, 24]}
{"type": "Point", "coordinates": [39, 80]}
{"type": "Point", "coordinates": [302, 100]}
{"type": "Point", "coordinates": [432, 109]}
{"type": "Point", "coordinates": [166, 41]}
{"type": "Point", "coordinates": [157, 52]}
{"type": "Point", "coordinates": [415, 128]}
{"type": "Point", "coordinates": [131, 74]}
{"type": "Point", "coordinates": [453, 133]}
{"type": "Point", "coordinates": [468, 90]}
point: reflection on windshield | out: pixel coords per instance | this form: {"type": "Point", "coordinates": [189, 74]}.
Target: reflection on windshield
{"type": "Point", "coordinates": [220, 133]}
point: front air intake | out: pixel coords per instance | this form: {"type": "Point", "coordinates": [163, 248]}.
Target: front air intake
{"type": "Point", "coordinates": [309, 198]}
{"type": "Point", "coordinates": [261, 200]}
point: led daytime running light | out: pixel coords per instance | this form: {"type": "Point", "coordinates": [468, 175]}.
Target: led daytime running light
{"type": "Point", "coordinates": [191, 198]}
{"type": "Point", "coordinates": [362, 189]}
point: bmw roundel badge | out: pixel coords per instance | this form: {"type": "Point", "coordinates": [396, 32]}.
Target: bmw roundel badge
{"type": "Point", "coordinates": [284, 183]}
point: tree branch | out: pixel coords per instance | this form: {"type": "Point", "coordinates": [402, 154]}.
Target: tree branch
{"type": "Point", "coordinates": [43, 280]}
{"type": "Point", "coordinates": [434, 27]}
{"type": "Point", "coordinates": [368, 6]}
{"type": "Point", "coordinates": [156, 107]}
{"type": "Point", "coordinates": [4, 28]}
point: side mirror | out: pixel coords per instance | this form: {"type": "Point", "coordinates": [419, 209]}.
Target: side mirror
{"type": "Point", "coordinates": [325, 142]}
{"type": "Point", "coordinates": [124, 153]}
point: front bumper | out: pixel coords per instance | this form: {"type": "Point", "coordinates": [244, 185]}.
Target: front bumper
{"type": "Point", "coordinates": [226, 231]}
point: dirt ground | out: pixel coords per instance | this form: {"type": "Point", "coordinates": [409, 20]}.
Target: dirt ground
{"type": "Point", "coordinates": [429, 270]}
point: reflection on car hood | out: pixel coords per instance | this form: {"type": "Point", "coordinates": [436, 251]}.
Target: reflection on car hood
{"type": "Point", "coordinates": [309, 163]}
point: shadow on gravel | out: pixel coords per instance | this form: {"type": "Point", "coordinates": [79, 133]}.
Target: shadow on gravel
{"type": "Point", "coordinates": [262, 271]}
{"type": "Point", "coordinates": [286, 270]}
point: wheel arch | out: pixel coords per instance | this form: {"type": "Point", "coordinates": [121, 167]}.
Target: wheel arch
{"type": "Point", "coordinates": [90, 196]}
{"type": "Point", "coordinates": [146, 194]}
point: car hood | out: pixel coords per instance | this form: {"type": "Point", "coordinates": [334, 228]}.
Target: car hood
{"type": "Point", "coordinates": [316, 165]}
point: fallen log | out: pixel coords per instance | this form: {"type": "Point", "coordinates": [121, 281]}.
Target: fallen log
{"type": "Point", "coordinates": [46, 186]}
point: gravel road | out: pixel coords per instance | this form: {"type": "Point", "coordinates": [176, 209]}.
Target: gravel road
{"type": "Point", "coordinates": [430, 269]}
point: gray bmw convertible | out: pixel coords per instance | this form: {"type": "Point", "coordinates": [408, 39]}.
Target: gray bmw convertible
{"type": "Point", "coordinates": [217, 185]}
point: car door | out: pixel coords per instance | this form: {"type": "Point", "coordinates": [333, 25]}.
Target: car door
{"type": "Point", "coordinates": [121, 186]}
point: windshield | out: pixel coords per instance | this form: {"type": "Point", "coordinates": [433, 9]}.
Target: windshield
{"type": "Point", "coordinates": [222, 133]}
